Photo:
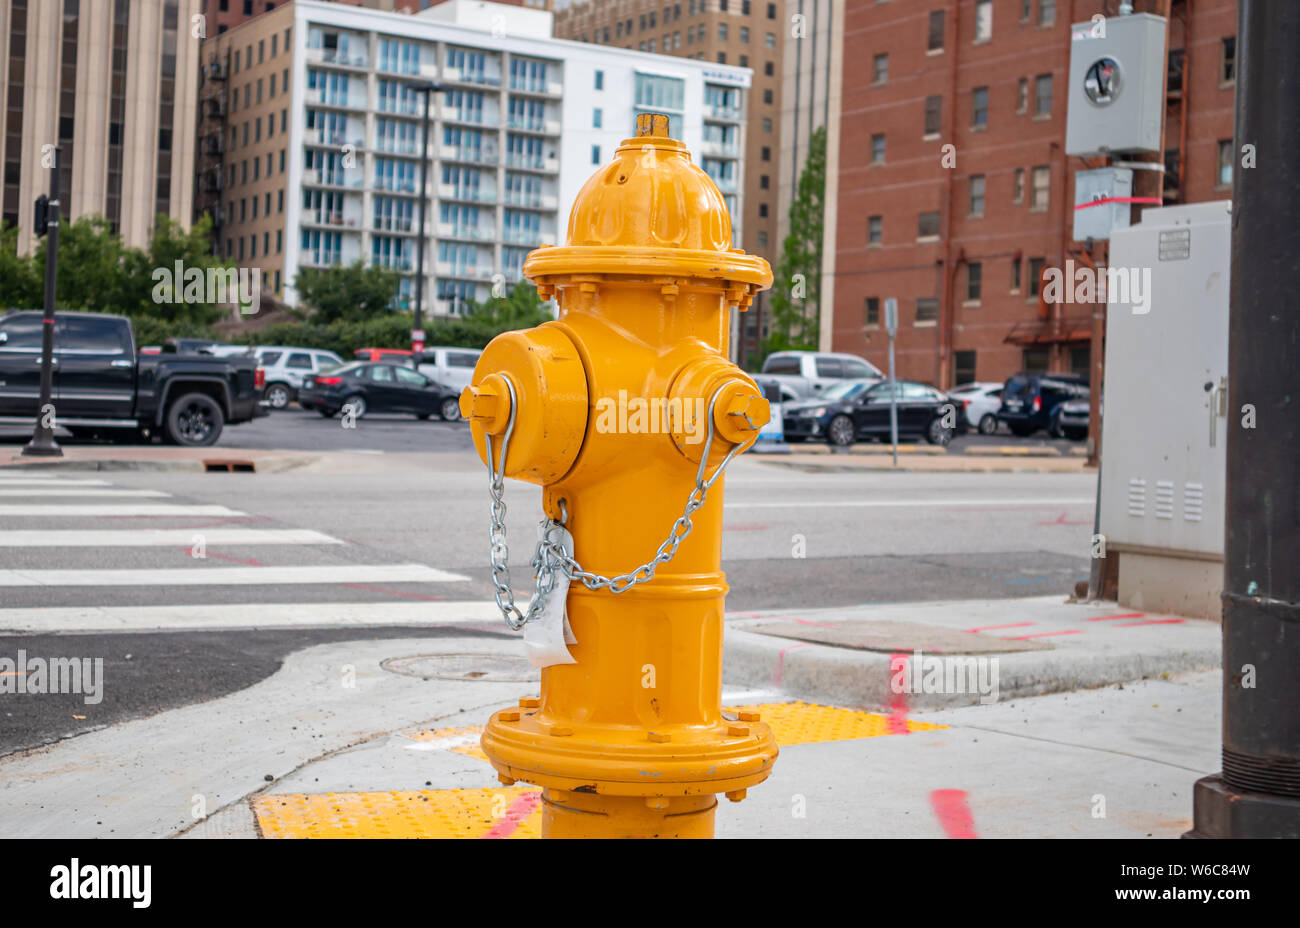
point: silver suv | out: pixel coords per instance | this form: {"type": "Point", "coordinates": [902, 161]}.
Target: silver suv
{"type": "Point", "coordinates": [286, 367]}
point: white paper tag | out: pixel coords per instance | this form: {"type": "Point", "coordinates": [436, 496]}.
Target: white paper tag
{"type": "Point", "coordinates": [546, 637]}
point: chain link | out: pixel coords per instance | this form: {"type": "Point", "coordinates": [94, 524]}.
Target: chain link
{"type": "Point", "coordinates": [551, 560]}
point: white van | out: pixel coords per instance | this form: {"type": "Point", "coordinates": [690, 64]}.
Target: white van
{"type": "Point", "coordinates": [451, 367]}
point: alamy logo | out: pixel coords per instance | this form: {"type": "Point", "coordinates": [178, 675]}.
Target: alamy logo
{"type": "Point", "coordinates": [40, 675]}
{"type": "Point", "coordinates": [657, 415]}
{"type": "Point", "coordinates": [214, 285]}
{"type": "Point", "coordinates": [920, 673]}
{"type": "Point", "coordinates": [1121, 285]}
{"type": "Point", "coordinates": [88, 881]}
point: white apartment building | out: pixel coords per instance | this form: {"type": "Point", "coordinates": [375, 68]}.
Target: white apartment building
{"type": "Point", "coordinates": [522, 121]}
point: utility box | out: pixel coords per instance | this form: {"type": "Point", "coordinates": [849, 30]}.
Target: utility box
{"type": "Point", "coordinates": [1101, 202]}
{"type": "Point", "coordinates": [1164, 432]}
{"type": "Point", "coordinates": [1117, 85]}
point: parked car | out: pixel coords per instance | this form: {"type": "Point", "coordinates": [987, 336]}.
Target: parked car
{"type": "Point", "coordinates": [808, 373]}
{"type": "Point", "coordinates": [391, 355]}
{"type": "Point", "coordinates": [853, 410]}
{"type": "Point", "coordinates": [367, 388]}
{"type": "Point", "coordinates": [979, 403]}
{"type": "Point", "coordinates": [286, 368]}
{"type": "Point", "coordinates": [195, 345]}
{"type": "Point", "coordinates": [451, 367]}
{"type": "Point", "coordinates": [1071, 420]}
{"type": "Point", "coordinates": [104, 387]}
{"type": "Point", "coordinates": [774, 431]}
{"type": "Point", "coordinates": [1029, 400]}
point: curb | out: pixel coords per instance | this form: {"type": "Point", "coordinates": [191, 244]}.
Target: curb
{"type": "Point", "coordinates": [179, 465]}
{"type": "Point", "coordinates": [848, 677]}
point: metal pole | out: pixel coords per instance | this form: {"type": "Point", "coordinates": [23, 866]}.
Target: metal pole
{"type": "Point", "coordinates": [43, 443]}
{"type": "Point", "coordinates": [428, 90]}
{"type": "Point", "coordinates": [1257, 794]}
{"type": "Point", "coordinates": [893, 400]}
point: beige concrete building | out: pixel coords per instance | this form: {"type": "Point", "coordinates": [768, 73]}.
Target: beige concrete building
{"type": "Point", "coordinates": [113, 84]}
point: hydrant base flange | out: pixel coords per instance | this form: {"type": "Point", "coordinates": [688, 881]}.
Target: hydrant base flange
{"type": "Point", "coordinates": [624, 762]}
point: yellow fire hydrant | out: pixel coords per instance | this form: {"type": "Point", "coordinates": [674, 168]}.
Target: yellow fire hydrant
{"type": "Point", "coordinates": [625, 410]}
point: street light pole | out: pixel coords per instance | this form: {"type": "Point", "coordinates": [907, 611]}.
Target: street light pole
{"type": "Point", "coordinates": [1257, 794]}
{"type": "Point", "coordinates": [43, 443]}
{"type": "Point", "coordinates": [428, 89]}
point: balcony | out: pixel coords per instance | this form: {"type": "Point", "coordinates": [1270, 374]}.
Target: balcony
{"type": "Point", "coordinates": [477, 78]}
{"type": "Point", "coordinates": [464, 271]}
{"type": "Point", "coordinates": [715, 149]}
{"type": "Point", "coordinates": [468, 153]}
{"type": "Point", "coordinates": [391, 146]}
{"type": "Point", "coordinates": [407, 106]}
{"type": "Point", "coordinates": [329, 220]}
{"type": "Point", "coordinates": [321, 259]}
{"type": "Point", "coordinates": [530, 200]}
{"type": "Point", "coordinates": [529, 237]}
{"type": "Point", "coordinates": [467, 232]}
{"type": "Point", "coordinates": [341, 101]}
{"type": "Point", "coordinates": [470, 116]}
{"type": "Point", "coordinates": [545, 88]}
{"type": "Point", "coordinates": [468, 194]}
{"type": "Point", "coordinates": [324, 138]}
{"type": "Point", "coordinates": [397, 185]}
{"type": "Point", "coordinates": [399, 263]}
{"type": "Point", "coordinates": [400, 224]}
{"type": "Point", "coordinates": [531, 124]}
{"type": "Point", "coordinates": [332, 56]}
{"type": "Point", "coordinates": [725, 184]}
{"type": "Point", "coordinates": [723, 111]}
{"type": "Point", "coordinates": [316, 177]}
{"type": "Point", "coordinates": [532, 163]}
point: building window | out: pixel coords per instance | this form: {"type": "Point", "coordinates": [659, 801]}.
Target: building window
{"type": "Point", "coordinates": [934, 41]}
{"type": "Point", "coordinates": [880, 69]}
{"type": "Point", "coordinates": [595, 154]}
{"type": "Point", "coordinates": [983, 20]}
{"type": "Point", "coordinates": [927, 225]}
{"type": "Point", "coordinates": [1043, 95]}
{"type": "Point", "coordinates": [769, 69]}
{"type": "Point", "coordinates": [767, 96]}
{"type": "Point", "coordinates": [875, 230]}
{"type": "Point", "coordinates": [979, 104]}
{"type": "Point", "coordinates": [933, 115]}
{"type": "Point", "coordinates": [762, 239]}
{"type": "Point", "coordinates": [1225, 163]}
{"type": "Point", "coordinates": [977, 195]}
{"type": "Point", "coordinates": [927, 310]}
{"type": "Point", "coordinates": [766, 153]}
{"type": "Point", "coordinates": [764, 182]}
{"type": "Point", "coordinates": [769, 40]}
{"type": "Point", "coordinates": [767, 124]}
{"type": "Point", "coordinates": [771, 11]}
{"type": "Point", "coordinates": [596, 118]}
{"type": "Point", "coordinates": [1026, 7]}
{"type": "Point", "coordinates": [600, 80]}
{"type": "Point", "coordinates": [762, 211]}
{"type": "Point", "coordinates": [1022, 95]}
{"type": "Point", "coordinates": [1015, 275]}
{"type": "Point", "coordinates": [744, 35]}
{"type": "Point", "coordinates": [963, 364]}
{"type": "Point", "coordinates": [1035, 360]}
{"type": "Point", "coordinates": [722, 32]}
{"type": "Point", "coordinates": [1228, 66]}
{"type": "Point", "coordinates": [1046, 12]}
{"type": "Point", "coordinates": [871, 311]}
{"type": "Point", "coordinates": [1018, 187]}
{"type": "Point", "coordinates": [974, 279]}
{"type": "Point", "coordinates": [1039, 192]}
{"type": "Point", "coordinates": [1035, 275]}
{"type": "Point", "coordinates": [878, 148]}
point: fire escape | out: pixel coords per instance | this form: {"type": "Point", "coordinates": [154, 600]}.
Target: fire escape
{"type": "Point", "coordinates": [210, 164]}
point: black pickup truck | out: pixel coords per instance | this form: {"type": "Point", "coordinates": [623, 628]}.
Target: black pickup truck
{"type": "Point", "coordinates": [104, 388]}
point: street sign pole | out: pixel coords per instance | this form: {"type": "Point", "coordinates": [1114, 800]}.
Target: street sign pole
{"type": "Point", "coordinates": [891, 323]}
{"type": "Point", "coordinates": [43, 443]}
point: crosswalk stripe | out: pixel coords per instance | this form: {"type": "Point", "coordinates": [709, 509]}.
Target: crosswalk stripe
{"type": "Point", "coordinates": [79, 491]}
{"type": "Point", "coordinates": [160, 537]}
{"type": "Point", "coordinates": [231, 576]}
{"type": "Point", "coordinates": [113, 509]}
{"type": "Point", "coordinates": [26, 481]}
{"type": "Point", "coordinates": [24, 475]}
{"type": "Point", "coordinates": [246, 615]}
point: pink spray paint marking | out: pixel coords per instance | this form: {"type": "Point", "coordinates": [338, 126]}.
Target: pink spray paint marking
{"type": "Point", "coordinates": [991, 628]}
{"type": "Point", "coordinates": [1122, 615]}
{"type": "Point", "coordinates": [1153, 622]}
{"type": "Point", "coordinates": [779, 673]}
{"type": "Point", "coordinates": [517, 811]}
{"type": "Point", "coordinates": [896, 721]}
{"type": "Point", "coordinates": [1068, 631]}
{"type": "Point", "coordinates": [953, 812]}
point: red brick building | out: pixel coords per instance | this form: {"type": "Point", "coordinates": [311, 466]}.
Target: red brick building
{"type": "Point", "coordinates": [960, 242]}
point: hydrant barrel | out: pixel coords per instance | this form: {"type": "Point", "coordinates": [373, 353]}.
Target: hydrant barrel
{"type": "Point", "coordinates": [613, 405]}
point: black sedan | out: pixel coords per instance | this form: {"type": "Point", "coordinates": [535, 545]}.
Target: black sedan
{"type": "Point", "coordinates": [855, 410]}
{"type": "Point", "coordinates": [365, 388]}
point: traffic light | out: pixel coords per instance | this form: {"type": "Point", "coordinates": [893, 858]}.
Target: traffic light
{"type": "Point", "coordinates": [42, 223]}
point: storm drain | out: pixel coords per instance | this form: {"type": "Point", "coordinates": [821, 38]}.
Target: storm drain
{"type": "Point", "coordinates": [228, 467]}
{"type": "Point", "coordinates": [490, 668]}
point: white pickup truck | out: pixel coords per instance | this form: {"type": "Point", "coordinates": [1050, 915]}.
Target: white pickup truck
{"type": "Point", "coordinates": [804, 374]}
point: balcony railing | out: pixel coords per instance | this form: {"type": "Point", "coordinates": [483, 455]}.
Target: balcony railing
{"type": "Point", "coordinates": [396, 184]}
{"type": "Point", "coordinates": [474, 155]}
{"type": "Point", "coordinates": [333, 220]}
{"type": "Point", "coordinates": [332, 138]}
{"type": "Point", "coordinates": [529, 85]}
{"type": "Point", "coordinates": [392, 263]}
{"type": "Point", "coordinates": [402, 106]}
{"type": "Point", "coordinates": [534, 124]}
{"type": "Point", "coordinates": [335, 57]}
{"type": "Point", "coordinates": [392, 146]}
{"type": "Point", "coordinates": [322, 258]}
{"type": "Point", "coordinates": [713, 147]}
{"type": "Point", "coordinates": [474, 233]}
{"type": "Point", "coordinates": [723, 111]}
{"type": "Point", "coordinates": [530, 200]}
{"type": "Point", "coordinates": [472, 194]}
{"type": "Point", "coordinates": [316, 177]}
{"type": "Point", "coordinates": [522, 236]}
{"type": "Point", "coordinates": [394, 224]}
{"type": "Point", "coordinates": [347, 101]}
{"type": "Point", "coordinates": [481, 78]}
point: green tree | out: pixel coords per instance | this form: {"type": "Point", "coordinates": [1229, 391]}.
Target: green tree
{"type": "Point", "coordinates": [351, 293]}
{"type": "Point", "coordinates": [520, 308]}
{"type": "Point", "coordinates": [170, 244]}
{"type": "Point", "coordinates": [796, 291]}
{"type": "Point", "coordinates": [21, 287]}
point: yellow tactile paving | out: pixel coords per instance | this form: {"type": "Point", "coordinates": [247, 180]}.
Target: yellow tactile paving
{"type": "Point", "coordinates": [514, 812]}
{"type": "Point", "coordinates": [507, 812]}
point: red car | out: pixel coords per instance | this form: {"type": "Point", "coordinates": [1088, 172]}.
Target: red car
{"type": "Point", "coordinates": [391, 355]}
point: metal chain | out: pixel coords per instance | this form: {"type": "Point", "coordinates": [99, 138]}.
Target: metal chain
{"type": "Point", "coordinates": [551, 559]}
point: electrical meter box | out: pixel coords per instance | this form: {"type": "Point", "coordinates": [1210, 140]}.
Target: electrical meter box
{"type": "Point", "coordinates": [1117, 85]}
{"type": "Point", "coordinates": [1101, 202]}
{"type": "Point", "coordinates": [1165, 417]}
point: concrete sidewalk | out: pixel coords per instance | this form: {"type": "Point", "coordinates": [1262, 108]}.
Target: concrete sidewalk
{"type": "Point", "coordinates": [817, 458]}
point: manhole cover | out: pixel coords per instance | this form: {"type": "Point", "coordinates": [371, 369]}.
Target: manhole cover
{"type": "Point", "coordinates": [493, 668]}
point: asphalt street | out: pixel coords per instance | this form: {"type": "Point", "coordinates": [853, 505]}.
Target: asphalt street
{"type": "Point", "coordinates": [194, 585]}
